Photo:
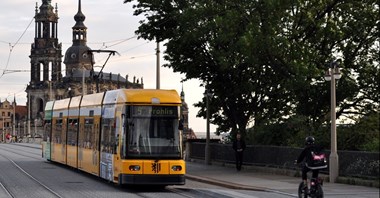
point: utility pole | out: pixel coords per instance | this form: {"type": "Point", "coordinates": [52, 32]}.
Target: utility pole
{"type": "Point", "coordinates": [29, 104]}
{"type": "Point", "coordinates": [332, 74]}
{"type": "Point", "coordinates": [207, 94]}
{"type": "Point", "coordinates": [14, 115]}
{"type": "Point", "coordinates": [158, 66]}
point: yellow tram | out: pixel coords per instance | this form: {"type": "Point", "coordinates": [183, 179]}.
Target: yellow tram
{"type": "Point", "coordinates": [126, 136]}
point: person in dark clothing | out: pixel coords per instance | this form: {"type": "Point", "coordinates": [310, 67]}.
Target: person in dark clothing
{"type": "Point", "coordinates": [308, 154]}
{"type": "Point", "coordinates": [239, 147]}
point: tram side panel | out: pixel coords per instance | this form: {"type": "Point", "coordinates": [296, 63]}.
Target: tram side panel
{"type": "Point", "coordinates": [89, 133]}
{"type": "Point", "coordinates": [117, 141]}
{"type": "Point", "coordinates": [59, 140]}
{"type": "Point", "coordinates": [72, 132]}
{"type": "Point", "coordinates": [108, 142]}
{"type": "Point", "coordinates": [88, 142]}
{"type": "Point", "coordinates": [59, 131]}
{"type": "Point", "coordinates": [46, 151]}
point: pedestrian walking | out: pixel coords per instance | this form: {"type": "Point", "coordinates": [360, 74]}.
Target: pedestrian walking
{"type": "Point", "coordinates": [239, 147]}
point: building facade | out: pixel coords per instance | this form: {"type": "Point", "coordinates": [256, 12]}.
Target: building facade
{"type": "Point", "coordinates": [46, 79]}
{"type": "Point", "coordinates": [12, 117]}
{"type": "Point", "coordinates": [6, 113]}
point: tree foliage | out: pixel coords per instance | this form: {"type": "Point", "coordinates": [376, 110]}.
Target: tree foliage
{"type": "Point", "coordinates": [264, 60]}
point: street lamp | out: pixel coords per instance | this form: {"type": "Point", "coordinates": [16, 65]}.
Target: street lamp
{"type": "Point", "coordinates": [332, 73]}
{"type": "Point", "coordinates": [207, 94]}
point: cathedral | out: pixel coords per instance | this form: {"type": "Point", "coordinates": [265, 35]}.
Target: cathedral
{"type": "Point", "coordinates": [46, 79]}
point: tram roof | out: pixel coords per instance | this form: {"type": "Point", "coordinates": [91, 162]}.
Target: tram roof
{"type": "Point", "coordinates": [49, 105]}
{"type": "Point", "coordinates": [93, 99]}
{"type": "Point", "coordinates": [75, 102]}
{"type": "Point", "coordinates": [62, 104]}
{"type": "Point", "coordinates": [142, 96]}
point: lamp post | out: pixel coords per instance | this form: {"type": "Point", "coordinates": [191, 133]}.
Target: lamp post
{"type": "Point", "coordinates": [158, 66]}
{"type": "Point", "coordinates": [18, 131]}
{"type": "Point", "coordinates": [35, 128]}
{"type": "Point", "coordinates": [29, 104]}
{"type": "Point", "coordinates": [332, 73]}
{"type": "Point", "coordinates": [207, 94]}
{"type": "Point", "coordinates": [24, 132]}
{"type": "Point", "coordinates": [3, 129]}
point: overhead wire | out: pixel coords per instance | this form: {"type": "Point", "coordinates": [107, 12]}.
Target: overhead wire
{"type": "Point", "coordinates": [118, 42]}
{"type": "Point", "coordinates": [11, 47]}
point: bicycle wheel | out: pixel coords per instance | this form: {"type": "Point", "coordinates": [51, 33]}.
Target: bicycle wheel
{"type": "Point", "coordinates": [302, 191]}
{"type": "Point", "coordinates": [319, 192]}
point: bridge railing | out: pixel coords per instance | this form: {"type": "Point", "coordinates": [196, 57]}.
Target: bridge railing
{"type": "Point", "coordinates": [351, 163]}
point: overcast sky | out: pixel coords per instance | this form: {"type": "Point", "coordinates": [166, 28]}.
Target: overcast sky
{"type": "Point", "coordinates": [110, 25]}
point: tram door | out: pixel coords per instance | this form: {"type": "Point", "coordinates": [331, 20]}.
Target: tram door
{"type": "Point", "coordinates": [48, 130]}
{"type": "Point", "coordinates": [89, 130]}
{"type": "Point", "coordinates": [59, 128]}
{"type": "Point", "coordinates": [72, 132]}
{"type": "Point", "coordinates": [108, 142]}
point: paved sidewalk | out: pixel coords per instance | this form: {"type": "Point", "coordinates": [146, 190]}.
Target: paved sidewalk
{"type": "Point", "coordinates": [253, 179]}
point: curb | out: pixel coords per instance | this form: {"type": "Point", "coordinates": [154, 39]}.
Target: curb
{"type": "Point", "coordinates": [225, 184]}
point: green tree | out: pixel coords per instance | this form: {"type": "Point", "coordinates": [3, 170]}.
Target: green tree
{"type": "Point", "coordinates": [364, 135]}
{"type": "Point", "coordinates": [263, 61]}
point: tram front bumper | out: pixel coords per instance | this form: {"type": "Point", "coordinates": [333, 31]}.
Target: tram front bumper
{"type": "Point", "coordinates": [152, 179]}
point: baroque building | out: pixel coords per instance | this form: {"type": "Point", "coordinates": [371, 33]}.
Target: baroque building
{"type": "Point", "coordinates": [46, 80]}
{"type": "Point", "coordinates": [6, 112]}
{"type": "Point", "coordinates": [11, 116]}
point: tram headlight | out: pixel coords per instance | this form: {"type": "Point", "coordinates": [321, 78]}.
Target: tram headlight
{"type": "Point", "coordinates": [134, 168]}
{"type": "Point", "coordinates": [176, 168]}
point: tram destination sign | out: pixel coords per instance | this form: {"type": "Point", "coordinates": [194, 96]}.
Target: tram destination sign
{"type": "Point", "coordinates": [154, 111]}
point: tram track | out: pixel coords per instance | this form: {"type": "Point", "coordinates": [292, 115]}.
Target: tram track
{"type": "Point", "coordinates": [12, 190]}
{"type": "Point", "coordinates": [13, 150]}
{"type": "Point", "coordinates": [23, 153]}
{"type": "Point", "coordinates": [153, 193]}
{"type": "Point", "coordinates": [6, 190]}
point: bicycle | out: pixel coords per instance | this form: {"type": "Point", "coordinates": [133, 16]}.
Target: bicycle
{"type": "Point", "coordinates": [315, 190]}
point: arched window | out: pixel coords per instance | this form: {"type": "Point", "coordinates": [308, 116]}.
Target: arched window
{"type": "Point", "coordinates": [40, 105]}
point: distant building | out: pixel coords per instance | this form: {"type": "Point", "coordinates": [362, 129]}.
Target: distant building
{"type": "Point", "coordinates": [188, 133]}
{"type": "Point", "coordinates": [46, 80]}
{"type": "Point", "coordinates": [7, 110]}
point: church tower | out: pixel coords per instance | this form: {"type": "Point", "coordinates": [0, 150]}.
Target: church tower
{"type": "Point", "coordinates": [45, 58]}
{"type": "Point", "coordinates": [78, 57]}
{"type": "Point", "coordinates": [184, 114]}
{"type": "Point", "coordinates": [46, 79]}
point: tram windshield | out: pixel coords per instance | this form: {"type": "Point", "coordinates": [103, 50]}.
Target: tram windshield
{"type": "Point", "coordinates": [153, 132]}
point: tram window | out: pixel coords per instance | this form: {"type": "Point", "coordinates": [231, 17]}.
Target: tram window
{"type": "Point", "coordinates": [57, 131]}
{"type": "Point", "coordinates": [88, 133]}
{"type": "Point", "coordinates": [161, 128]}
{"type": "Point", "coordinates": [156, 136]}
{"type": "Point", "coordinates": [47, 130]}
{"type": "Point", "coordinates": [108, 135]}
{"type": "Point", "coordinates": [72, 132]}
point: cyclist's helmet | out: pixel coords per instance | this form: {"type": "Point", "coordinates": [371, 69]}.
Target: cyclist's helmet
{"type": "Point", "coordinates": [309, 140]}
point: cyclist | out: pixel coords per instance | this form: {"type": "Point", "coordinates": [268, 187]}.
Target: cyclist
{"type": "Point", "coordinates": [308, 154]}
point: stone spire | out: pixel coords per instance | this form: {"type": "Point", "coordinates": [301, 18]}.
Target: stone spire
{"type": "Point", "coordinates": [79, 29]}
{"type": "Point", "coordinates": [77, 57]}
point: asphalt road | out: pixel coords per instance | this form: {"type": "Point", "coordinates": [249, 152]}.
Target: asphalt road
{"type": "Point", "coordinates": [23, 173]}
